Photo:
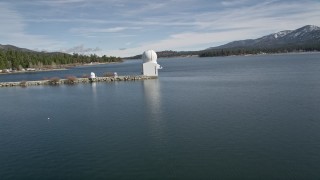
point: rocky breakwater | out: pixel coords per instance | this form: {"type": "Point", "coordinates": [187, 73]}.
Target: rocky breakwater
{"type": "Point", "coordinates": [74, 80]}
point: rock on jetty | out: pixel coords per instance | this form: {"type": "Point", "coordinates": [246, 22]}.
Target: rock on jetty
{"type": "Point", "coordinates": [57, 81]}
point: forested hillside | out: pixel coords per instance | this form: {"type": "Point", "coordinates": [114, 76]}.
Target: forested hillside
{"type": "Point", "coordinates": [13, 59]}
{"type": "Point", "coordinates": [257, 50]}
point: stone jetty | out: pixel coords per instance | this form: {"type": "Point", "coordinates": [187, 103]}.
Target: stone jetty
{"type": "Point", "coordinates": [74, 80]}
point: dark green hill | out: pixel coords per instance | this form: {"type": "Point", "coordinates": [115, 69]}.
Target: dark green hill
{"type": "Point", "coordinates": [12, 57]}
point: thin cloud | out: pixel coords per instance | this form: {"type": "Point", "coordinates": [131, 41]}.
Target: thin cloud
{"type": "Point", "coordinates": [235, 24]}
{"type": "Point", "coordinates": [147, 7]}
{"type": "Point", "coordinates": [229, 3]}
{"type": "Point", "coordinates": [61, 2]}
{"type": "Point", "coordinates": [161, 25]}
{"type": "Point", "coordinates": [71, 20]}
{"type": "Point", "coordinates": [81, 49]}
{"type": "Point", "coordinates": [14, 32]}
{"type": "Point", "coordinates": [94, 32]}
{"type": "Point", "coordinates": [97, 30]}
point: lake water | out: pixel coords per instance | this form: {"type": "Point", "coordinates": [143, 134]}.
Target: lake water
{"type": "Point", "coordinates": [243, 117]}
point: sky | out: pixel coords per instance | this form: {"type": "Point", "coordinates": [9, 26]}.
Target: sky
{"type": "Point", "coordinates": [128, 27]}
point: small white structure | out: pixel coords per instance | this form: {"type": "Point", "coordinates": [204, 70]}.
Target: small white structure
{"type": "Point", "coordinates": [115, 74]}
{"type": "Point", "coordinates": [92, 75]}
{"type": "Point", "coordinates": [150, 65]}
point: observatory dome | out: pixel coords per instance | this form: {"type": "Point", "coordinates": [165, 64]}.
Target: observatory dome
{"type": "Point", "coordinates": [149, 56]}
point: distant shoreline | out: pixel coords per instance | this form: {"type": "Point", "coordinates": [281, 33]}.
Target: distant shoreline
{"type": "Point", "coordinates": [257, 54]}
{"type": "Point", "coordinates": [261, 54]}
{"type": "Point", "coordinates": [61, 68]}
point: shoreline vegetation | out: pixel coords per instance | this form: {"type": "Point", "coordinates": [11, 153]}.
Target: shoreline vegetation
{"type": "Point", "coordinates": [15, 61]}
{"type": "Point", "coordinates": [224, 52]}
{"type": "Point", "coordinates": [48, 68]}
{"type": "Point", "coordinates": [83, 60]}
{"type": "Point", "coordinates": [175, 54]}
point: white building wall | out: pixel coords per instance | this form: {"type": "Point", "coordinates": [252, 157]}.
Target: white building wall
{"type": "Point", "coordinates": [150, 69]}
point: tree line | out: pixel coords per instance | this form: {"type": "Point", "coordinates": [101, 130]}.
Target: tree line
{"type": "Point", "coordinates": [238, 51]}
{"type": "Point", "coordinates": [17, 60]}
{"type": "Point", "coordinates": [257, 50]}
{"type": "Point", "coordinates": [168, 54]}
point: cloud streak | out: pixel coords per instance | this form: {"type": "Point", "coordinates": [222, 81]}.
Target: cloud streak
{"type": "Point", "coordinates": [235, 24]}
{"type": "Point", "coordinates": [160, 25]}
{"type": "Point", "coordinates": [14, 31]}
{"type": "Point", "coordinates": [92, 31]}
{"type": "Point", "coordinates": [81, 49]}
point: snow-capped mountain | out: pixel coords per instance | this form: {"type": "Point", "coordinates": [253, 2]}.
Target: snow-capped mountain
{"type": "Point", "coordinates": [281, 34]}
{"type": "Point", "coordinates": [305, 35]}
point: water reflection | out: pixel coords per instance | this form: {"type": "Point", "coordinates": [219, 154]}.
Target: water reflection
{"type": "Point", "coordinates": [154, 109]}
{"type": "Point", "coordinates": [94, 95]}
{"type": "Point", "coordinates": [153, 99]}
{"type": "Point", "coordinates": [94, 89]}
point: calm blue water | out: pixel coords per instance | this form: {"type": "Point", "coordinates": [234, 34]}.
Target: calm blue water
{"type": "Point", "coordinates": [255, 117]}
{"type": "Point", "coordinates": [127, 68]}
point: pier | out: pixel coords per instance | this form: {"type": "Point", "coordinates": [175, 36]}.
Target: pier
{"type": "Point", "coordinates": [149, 68]}
{"type": "Point", "coordinates": [74, 80]}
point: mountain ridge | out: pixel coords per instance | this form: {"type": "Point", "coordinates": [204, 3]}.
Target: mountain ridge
{"type": "Point", "coordinates": [301, 36]}
{"type": "Point", "coordinates": [306, 38]}
{"type": "Point", "coordinates": [14, 48]}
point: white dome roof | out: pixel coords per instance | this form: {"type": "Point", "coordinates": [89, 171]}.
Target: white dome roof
{"type": "Point", "coordinates": [149, 56]}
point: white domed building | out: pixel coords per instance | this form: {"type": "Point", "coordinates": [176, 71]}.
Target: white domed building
{"type": "Point", "coordinates": [150, 65]}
